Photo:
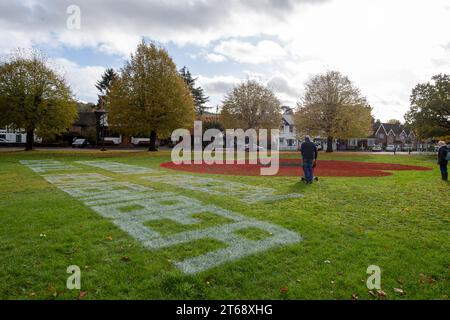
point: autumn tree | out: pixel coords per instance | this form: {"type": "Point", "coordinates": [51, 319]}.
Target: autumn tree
{"type": "Point", "coordinates": [34, 97]}
{"type": "Point", "coordinates": [197, 92]}
{"type": "Point", "coordinates": [251, 105]}
{"type": "Point", "coordinates": [332, 106]}
{"type": "Point", "coordinates": [429, 115]}
{"type": "Point", "coordinates": [149, 97]}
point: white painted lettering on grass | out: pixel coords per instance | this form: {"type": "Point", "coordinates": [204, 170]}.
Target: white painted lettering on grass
{"type": "Point", "coordinates": [244, 192]}
{"type": "Point", "coordinates": [131, 207]}
{"type": "Point", "coordinates": [117, 167]}
{"type": "Point", "coordinates": [43, 166]}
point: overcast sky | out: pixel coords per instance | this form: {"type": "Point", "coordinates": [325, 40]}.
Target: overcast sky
{"type": "Point", "coordinates": [384, 46]}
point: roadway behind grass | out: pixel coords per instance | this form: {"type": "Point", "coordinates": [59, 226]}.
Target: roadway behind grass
{"type": "Point", "coordinates": [400, 223]}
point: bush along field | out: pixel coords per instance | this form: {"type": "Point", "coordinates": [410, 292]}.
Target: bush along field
{"type": "Point", "coordinates": [137, 230]}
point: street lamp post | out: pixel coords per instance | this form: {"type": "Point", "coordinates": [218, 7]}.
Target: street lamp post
{"type": "Point", "coordinates": [103, 124]}
{"type": "Point", "coordinates": [101, 116]}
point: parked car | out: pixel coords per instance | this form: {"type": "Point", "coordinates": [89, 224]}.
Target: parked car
{"type": "Point", "coordinates": [406, 147]}
{"type": "Point", "coordinates": [113, 140]}
{"type": "Point", "coordinates": [80, 143]}
{"type": "Point", "coordinates": [3, 140]}
{"type": "Point", "coordinates": [377, 149]}
{"type": "Point", "coordinates": [390, 148]}
{"type": "Point", "coordinates": [140, 141]}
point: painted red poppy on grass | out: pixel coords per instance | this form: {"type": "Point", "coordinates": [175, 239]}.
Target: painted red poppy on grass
{"type": "Point", "coordinates": [292, 167]}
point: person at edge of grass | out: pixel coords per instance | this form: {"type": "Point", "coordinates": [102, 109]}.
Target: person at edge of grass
{"type": "Point", "coordinates": [309, 153]}
{"type": "Point", "coordinates": [442, 159]}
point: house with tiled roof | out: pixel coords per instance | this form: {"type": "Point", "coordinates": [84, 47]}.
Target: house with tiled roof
{"type": "Point", "coordinates": [383, 134]}
{"type": "Point", "coordinates": [393, 134]}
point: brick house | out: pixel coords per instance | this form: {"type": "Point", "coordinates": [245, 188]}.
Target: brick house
{"type": "Point", "coordinates": [383, 134]}
{"type": "Point", "coordinates": [393, 134]}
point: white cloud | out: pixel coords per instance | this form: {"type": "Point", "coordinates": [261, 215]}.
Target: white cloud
{"type": "Point", "coordinates": [263, 52]}
{"type": "Point", "coordinates": [81, 79]}
{"type": "Point", "coordinates": [218, 84]}
{"type": "Point", "coordinates": [212, 57]}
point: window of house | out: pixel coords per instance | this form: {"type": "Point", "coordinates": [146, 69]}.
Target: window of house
{"type": "Point", "coordinates": [381, 135]}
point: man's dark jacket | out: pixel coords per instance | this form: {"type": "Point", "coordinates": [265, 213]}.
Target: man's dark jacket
{"type": "Point", "coordinates": [442, 154]}
{"type": "Point", "coordinates": [309, 150]}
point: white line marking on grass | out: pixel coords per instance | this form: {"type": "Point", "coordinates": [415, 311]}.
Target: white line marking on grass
{"type": "Point", "coordinates": [43, 166]}
{"type": "Point", "coordinates": [245, 192]}
{"type": "Point", "coordinates": [117, 167]}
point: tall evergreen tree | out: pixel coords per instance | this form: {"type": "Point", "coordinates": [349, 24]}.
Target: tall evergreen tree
{"type": "Point", "coordinates": [104, 85]}
{"type": "Point", "coordinates": [198, 95]}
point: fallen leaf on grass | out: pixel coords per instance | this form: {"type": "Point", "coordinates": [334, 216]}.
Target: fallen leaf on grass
{"type": "Point", "coordinates": [355, 296]}
{"type": "Point", "coordinates": [125, 258]}
{"type": "Point", "coordinates": [399, 290]}
{"type": "Point", "coordinates": [82, 294]}
{"type": "Point", "coordinates": [283, 290]}
{"type": "Point", "coordinates": [426, 279]}
{"type": "Point", "coordinates": [378, 293]}
{"type": "Point", "coordinates": [109, 238]}
{"type": "Point", "coordinates": [381, 293]}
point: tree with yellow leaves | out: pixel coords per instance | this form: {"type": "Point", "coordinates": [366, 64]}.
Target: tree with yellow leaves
{"type": "Point", "coordinates": [149, 97]}
{"type": "Point", "coordinates": [332, 106]}
{"type": "Point", "coordinates": [34, 97]}
{"type": "Point", "coordinates": [251, 105]}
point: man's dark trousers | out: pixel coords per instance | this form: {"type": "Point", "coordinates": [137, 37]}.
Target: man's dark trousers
{"type": "Point", "coordinates": [308, 169]}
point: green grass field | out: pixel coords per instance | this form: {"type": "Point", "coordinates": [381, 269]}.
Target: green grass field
{"type": "Point", "coordinates": [399, 223]}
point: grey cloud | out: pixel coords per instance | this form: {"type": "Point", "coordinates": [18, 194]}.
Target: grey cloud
{"type": "Point", "coordinates": [218, 85]}
{"type": "Point", "coordinates": [281, 85]}
{"type": "Point", "coordinates": [148, 18]}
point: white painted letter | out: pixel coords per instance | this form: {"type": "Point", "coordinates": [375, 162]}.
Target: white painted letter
{"type": "Point", "coordinates": [74, 280]}
{"type": "Point", "coordinates": [374, 280]}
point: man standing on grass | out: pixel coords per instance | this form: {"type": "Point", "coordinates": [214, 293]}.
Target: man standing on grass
{"type": "Point", "coordinates": [309, 154]}
{"type": "Point", "coordinates": [442, 159]}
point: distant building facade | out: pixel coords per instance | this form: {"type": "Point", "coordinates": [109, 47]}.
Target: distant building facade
{"type": "Point", "coordinates": [288, 140]}
{"type": "Point", "coordinates": [383, 134]}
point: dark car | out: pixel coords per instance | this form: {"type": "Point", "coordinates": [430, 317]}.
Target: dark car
{"type": "Point", "coordinates": [80, 143]}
